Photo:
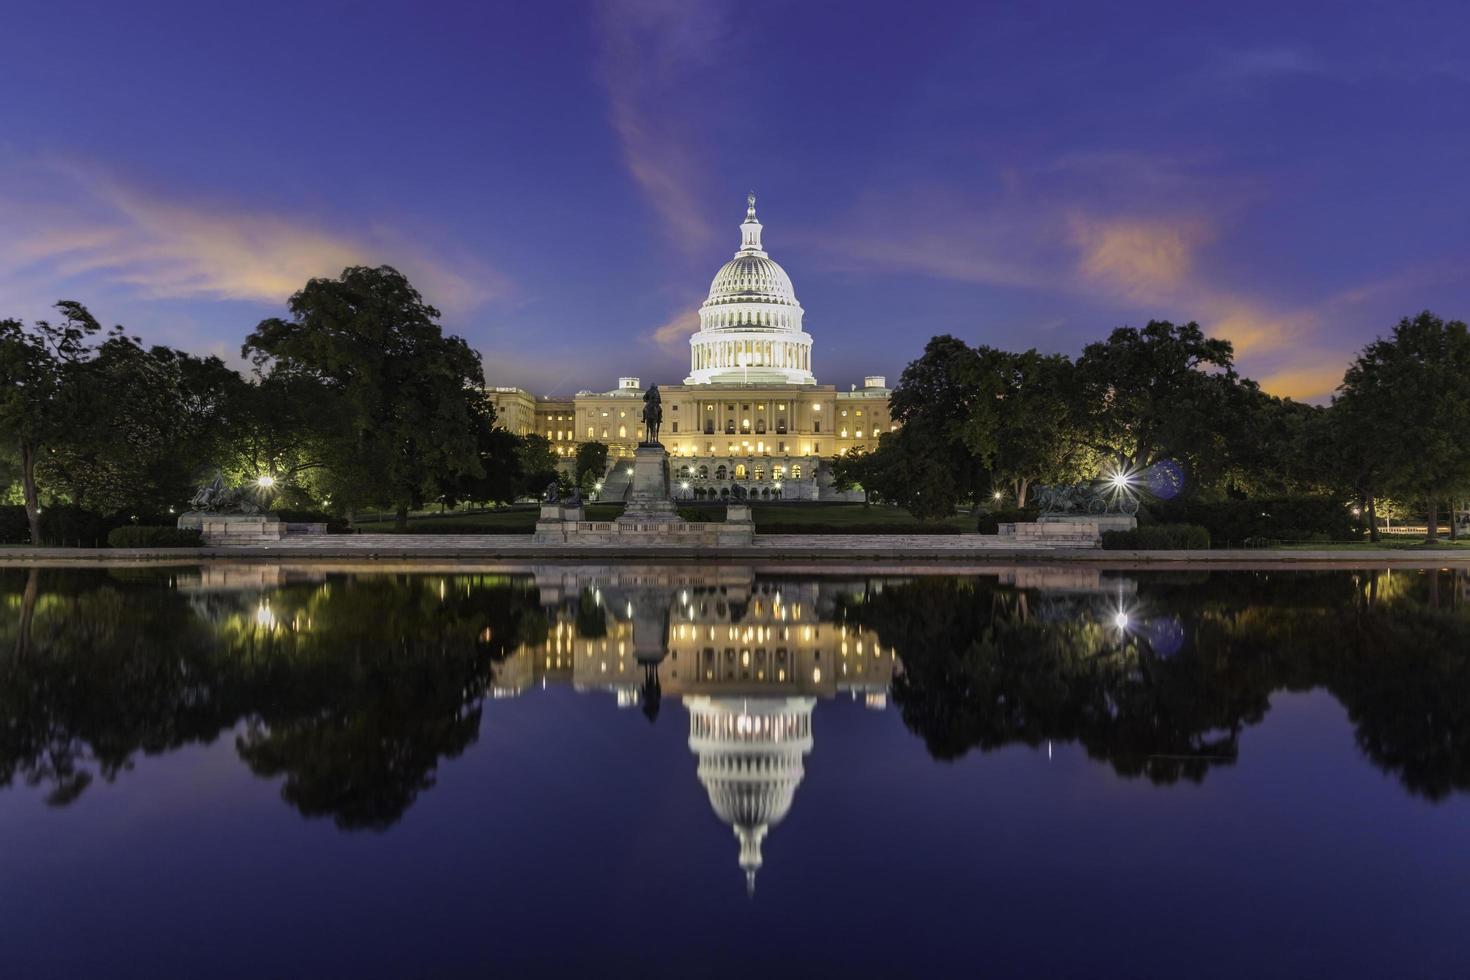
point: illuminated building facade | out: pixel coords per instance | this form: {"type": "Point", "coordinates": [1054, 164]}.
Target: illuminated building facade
{"type": "Point", "coordinates": [750, 412]}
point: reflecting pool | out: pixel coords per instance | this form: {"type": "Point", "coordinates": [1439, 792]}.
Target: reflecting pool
{"type": "Point", "coordinates": [271, 771]}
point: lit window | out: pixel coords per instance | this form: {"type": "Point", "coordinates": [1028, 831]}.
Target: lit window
{"type": "Point", "coordinates": [622, 432]}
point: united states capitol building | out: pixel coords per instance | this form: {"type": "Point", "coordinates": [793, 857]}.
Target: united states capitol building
{"type": "Point", "coordinates": [750, 413]}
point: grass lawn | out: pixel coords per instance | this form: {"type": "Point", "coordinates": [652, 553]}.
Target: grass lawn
{"type": "Point", "coordinates": [843, 515]}
{"type": "Point", "coordinates": [1387, 544]}
{"type": "Point", "coordinates": [507, 520]}
{"type": "Point", "coordinates": [837, 516]}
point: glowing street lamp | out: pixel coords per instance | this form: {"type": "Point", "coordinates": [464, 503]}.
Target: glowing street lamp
{"type": "Point", "coordinates": [265, 482]}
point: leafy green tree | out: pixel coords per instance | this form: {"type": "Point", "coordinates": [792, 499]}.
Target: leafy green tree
{"type": "Point", "coordinates": [1279, 446]}
{"type": "Point", "coordinates": [500, 479]}
{"type": "Point", "coordinates": [927, 466]}
{"type": "Point", "coordinates": [591, 463]}
{"type": "Point", "coordinates": [1022, 424]}
{"type": "Point", "coordinates": [1156, 393]}
{"type": "Point", "coordinates": [538, 464]}
{"type": "Point", "coordinates": [158, 421]}
{"type": "Point", "coordinates": [1406, 402]}
{"type": "Point", "coordinates": [42, 391]}
{"type": "Point", "coordinates": [402, 393]}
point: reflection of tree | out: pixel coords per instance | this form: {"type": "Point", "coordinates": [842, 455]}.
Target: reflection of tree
{"type": "Point", "coordinates": [352, 690]}
{"type": "Point", "coordinates": [98, 674]}
{"type": "Point", "coordinates": [984, 668]}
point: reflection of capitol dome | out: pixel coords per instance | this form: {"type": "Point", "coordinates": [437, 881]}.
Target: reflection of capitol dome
{"type": "Point", "coordinates": [750, 325]}
{"type": "Point", "coordinates": [750, 755]}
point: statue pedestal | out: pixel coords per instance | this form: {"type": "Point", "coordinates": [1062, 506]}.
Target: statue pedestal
{"type": "Point", "coordinates": [649, 498]}
{"type": "Point", "coordinates": [227, 529]}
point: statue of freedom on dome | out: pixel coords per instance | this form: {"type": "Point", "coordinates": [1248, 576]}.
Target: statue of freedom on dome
{"type": "Point", "coordinates": [653, 416]}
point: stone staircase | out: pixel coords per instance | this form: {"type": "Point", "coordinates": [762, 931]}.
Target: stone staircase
{"type": "Point", "coordinates": [617, 483]}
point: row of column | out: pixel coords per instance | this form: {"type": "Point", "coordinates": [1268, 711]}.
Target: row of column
{"type": "Point", "coordinates": [755, 353]}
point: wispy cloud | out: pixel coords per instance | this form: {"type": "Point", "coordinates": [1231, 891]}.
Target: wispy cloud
{"type": "Point", "coordinates": [1140, 257]}
{"type": "Point", "coordinates": [1267, 61]}
{"type": "Point", "coordinates": [1309, 383]}
{"type": "Point", "coordinates": [649, 48]}
{"type": "Point", "coordinates": [95, 227]}
{"type": "Point", "coordinates": [1141, 242]}
{"type": "Point", "coordinates": [673, 334]}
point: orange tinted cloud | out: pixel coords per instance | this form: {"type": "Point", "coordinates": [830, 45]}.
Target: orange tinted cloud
{"type": "Point", "coordinates": [170, 249]}
{"type": "Point", "coordinates": [1314, 383]}
{"type": "Point", "coordinates": [673, 334]}
{"type": "Point", "coordinates": [1139, 258]}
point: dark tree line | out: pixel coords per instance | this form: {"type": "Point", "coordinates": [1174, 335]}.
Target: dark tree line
{"type": "Point", "coordinates": [1164, 405]}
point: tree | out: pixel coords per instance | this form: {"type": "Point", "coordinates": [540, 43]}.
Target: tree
{"type": "Point", "coordinates": [591, 463]}
{"type": "Point", "coordinates": [501, 478]}
{"type": "Point", "coordinates": [538, 464]}
{"type": "Point", "coordinates": [40, 391]}
{"type": "Point", "coordinates": [1407, 404]}
{"type": "Point", "coordinates": [1162, 392]}
{"type": "Point", "coordinates": [402, 393]}
{"type": "Point", "coordinates": [157, 421]}
{"type": "Point", "coordinates": [927, 466]}
{"type": "Point", "coordinates": [1022, 425]}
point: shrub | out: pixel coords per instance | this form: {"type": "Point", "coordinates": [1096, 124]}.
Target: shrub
{"type": "Point", "coordinates": [860, 529]}
{"type": "Point", "coordinates": [335, 524]}
{"type": "Point", "coordinates": [152, 536]}
{"type": "Point", "coordinates": [990, 521]}
{"type": "Point", "coordinates": [1158, 537]}
{"type": "Point", "coordinates": [465, 527]}
{"type": "Point", "coordinates": [68, 525]}
{"type": "Point", "coordinates": [1299, 518]}
{"type": "Point", "coordinates": [13, 526]}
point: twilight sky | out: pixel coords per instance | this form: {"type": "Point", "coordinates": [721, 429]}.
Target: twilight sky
{"type": "Point", "coordinates": [563, 178]}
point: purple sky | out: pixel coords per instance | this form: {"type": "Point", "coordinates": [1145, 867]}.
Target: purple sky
{"type": "Point", "coordinates": [563, 179]}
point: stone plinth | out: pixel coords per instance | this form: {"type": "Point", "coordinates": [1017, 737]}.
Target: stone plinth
{"type": "Point", "coordinates": [1077, 533]}
{"type": "Point", "coordinates": [555, 521]}
{"type": "Point", "coordinates": [1103, 522]}
{"type": "Point", "coordinates": [643, 534]}
{"type": "Point", "coordinates": [738, 514]}
{"type": "Point", "coordinates": [231, 529]}
{"type": "Point", "coordinates": [649, 499]}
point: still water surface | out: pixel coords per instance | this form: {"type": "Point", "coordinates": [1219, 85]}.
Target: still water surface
{"type": "Point", "coordinates": [264, 771]}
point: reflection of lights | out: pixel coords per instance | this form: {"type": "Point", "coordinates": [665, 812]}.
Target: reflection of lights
{"type": "Point", "coordinates": [264, 617]}
{"type": "Point", "coordinates": [265, 482]}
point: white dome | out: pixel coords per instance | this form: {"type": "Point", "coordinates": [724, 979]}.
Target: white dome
{"type": "Point", "coordinates": [751, 277]}
{"type": "Point", "coordinates": [750, 325]}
